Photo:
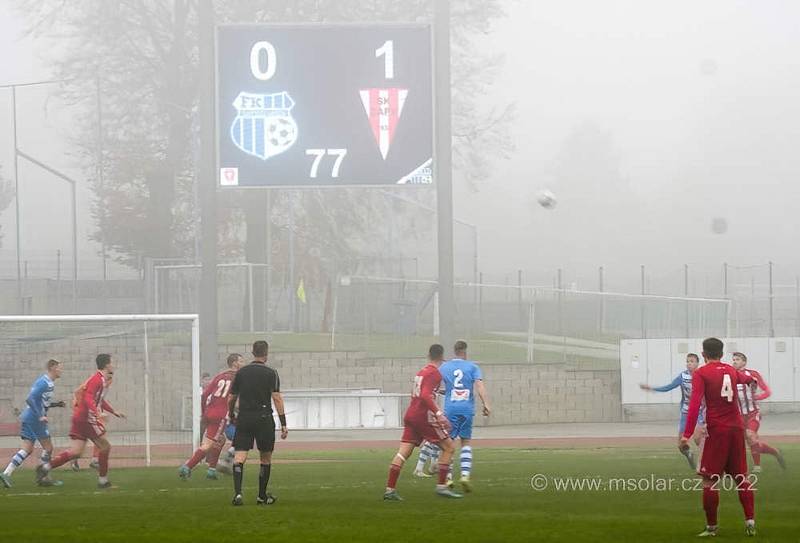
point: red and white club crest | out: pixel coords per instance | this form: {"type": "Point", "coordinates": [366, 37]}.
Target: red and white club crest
{"type": "Point", "coordinates": [383, 107]}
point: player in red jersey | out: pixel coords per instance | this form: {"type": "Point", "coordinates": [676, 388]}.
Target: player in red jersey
{"type": "Point", "coordinates": [214, 405]}
{"type": "Point", "coordinates": [723, 450]}
{"type": "Point", "coordinates": [424, 421]}
{"type": "Point", "coordinates": [87, 422]}
{"type": "Point", "coordinates": [749, 397]}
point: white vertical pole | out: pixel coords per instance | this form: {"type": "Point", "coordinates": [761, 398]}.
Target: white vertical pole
{"type": "Point", "coordinates": [436, 314]}
{"type": "Point", "coordinates": [335, 311]}
{"type": "Point", "coordinates": [250, 291]}
{"type": "Point", "coordinates": [531, 326]}
{"type": "Point", "coordinates": [195, 381]}
{"type": "Point", "coordinates": [155, 290]}
{"type": "Point", "coordinates": [146, 397]}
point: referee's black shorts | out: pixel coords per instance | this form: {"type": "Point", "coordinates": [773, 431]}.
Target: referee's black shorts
{"type": "Point", "coordinates": [258, 427]}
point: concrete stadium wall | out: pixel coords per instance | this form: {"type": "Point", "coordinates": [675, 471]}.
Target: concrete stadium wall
{"type": "Point", "coordinates": [520, 394]}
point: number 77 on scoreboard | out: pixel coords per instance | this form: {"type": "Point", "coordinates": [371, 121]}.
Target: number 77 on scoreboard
{"type": "Point", "coordinates": [324, 105]}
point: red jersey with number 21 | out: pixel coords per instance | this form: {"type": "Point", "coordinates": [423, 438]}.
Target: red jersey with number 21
{"type": "Point", "coordinates": [215, 395]}
{"type": "Point", "coordinates": [716, 383]}
{"type": "Point", "coordinates": [423, 397]}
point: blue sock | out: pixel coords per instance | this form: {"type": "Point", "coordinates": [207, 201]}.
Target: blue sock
{"type": "Point", "coordinates": [466, 461]}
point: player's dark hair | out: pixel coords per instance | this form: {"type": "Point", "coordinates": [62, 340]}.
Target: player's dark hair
{"type": "Point", "coordinates": [460, 346]}
{"type": "Point", "coordinates": [740, 355]}
{"type": "Point", "coordinates": [102, 360]}
{"type": "Point", "coordinates": [713, 347]}
{"type": "Point", "coordinates": [232, 358]}
{"type": "Point", "coordinates": [693, 355]}
{"type": "Point", "coordinates": [260, 348]}
{"type": "Point", "coordinates": [52, 363]}
{"type": "Point", "coordinates": [436, 352]}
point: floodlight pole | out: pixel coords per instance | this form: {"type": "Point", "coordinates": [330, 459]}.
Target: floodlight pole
{"type": "Point", "coordinates": [443, 168]}
{"type": "Point", "coordinates": [206, 177]}
{"type": "Point", "coordinates": [17, 206]}
{"type": "Point", "coordinates": [74, 206]}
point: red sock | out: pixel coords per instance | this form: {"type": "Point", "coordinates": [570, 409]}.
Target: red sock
{"type": "Point", "coordinates": [755, 452]}
{"type": "Point", "coordinates": [394, 474]}
{"type": "Point", "coordinates": [61, 459]}
{"type": "Point", "coordinates": [103, 459]}
{"type": "Point", "coordinates": [198, 455]}
{"type": "Point", "coordinates": [213, 456]}
{"type": "Point", "coordinates": [766, 449]}
{"type": "Point", "coordinates": [747, 499]}
{"type": "Point", "coordinates": [710, 504]}
{"type": "Point", "coordinates": [444, 469]}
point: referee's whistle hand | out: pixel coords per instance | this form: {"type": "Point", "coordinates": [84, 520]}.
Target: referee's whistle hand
{"type": "Point", "coordinates": [284, 432]}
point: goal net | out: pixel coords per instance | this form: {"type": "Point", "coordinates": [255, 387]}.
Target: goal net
{"type": "Point", "coordinates": [156, 380]}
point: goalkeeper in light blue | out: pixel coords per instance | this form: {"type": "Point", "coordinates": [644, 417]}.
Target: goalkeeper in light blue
{"type": "Point", "coordinates": [462, 379]}
{"type": "Point", "coordinates": [33, 421]}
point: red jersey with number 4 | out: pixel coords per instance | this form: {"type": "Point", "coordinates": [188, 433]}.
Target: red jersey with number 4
{"type": "Point", "coordinates": [215, 395]}
{"type": "Point", "coordinates": [423, 397]}
{"type": "Point", "coordinates": [716, 383]}
{"type": "Point", "coordinates": [748, 394]}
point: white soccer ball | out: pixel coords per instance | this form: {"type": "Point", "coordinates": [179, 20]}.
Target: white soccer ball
{"type": "Point", "coordinates": [546, 199]}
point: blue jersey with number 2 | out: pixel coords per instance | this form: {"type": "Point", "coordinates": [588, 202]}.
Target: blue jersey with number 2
{"type": "Point", "coordinates": [459, 378]}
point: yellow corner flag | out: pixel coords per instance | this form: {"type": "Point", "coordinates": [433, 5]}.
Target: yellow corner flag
{"type": "Point", "coordinates": [301, 292]}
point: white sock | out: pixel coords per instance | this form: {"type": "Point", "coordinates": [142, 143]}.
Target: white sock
{"type": "Point", "coordinates": [424, 455]}
{"type": "Point", "coordinates": [466, 460]}
{"type": "Point", "coordinates": [102, 480]}
{"type": "Point", "coordinates": [16, 461]}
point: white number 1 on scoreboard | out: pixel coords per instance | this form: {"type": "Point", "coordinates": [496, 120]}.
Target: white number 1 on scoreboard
{"type": "Point", "coordinates": [387, 52]}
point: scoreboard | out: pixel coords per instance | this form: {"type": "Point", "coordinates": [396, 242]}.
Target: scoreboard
{"type": "Point", "coordinates": [324, 105]}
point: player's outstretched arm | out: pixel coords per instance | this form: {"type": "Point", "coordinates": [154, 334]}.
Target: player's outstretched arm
{"type": "Point", "coordinates": [664, 388]}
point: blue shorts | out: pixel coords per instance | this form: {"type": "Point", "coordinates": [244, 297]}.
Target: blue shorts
{"type": "Point", "coordinates": [460, 426]}
{"type": "Point", "coordinates": [230, 431]}
{"type": "Point", "coordinates": [682, 423]}
{"type": "Point", "coordinates": [34, 431]}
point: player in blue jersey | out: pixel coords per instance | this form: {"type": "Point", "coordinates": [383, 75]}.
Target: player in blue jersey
{"type": "Point", "coordinates": [34, 422]}
{"type": "Point", "coordinates": [462, 379]}
{"type": "Point", "coordinates": [684, 380]}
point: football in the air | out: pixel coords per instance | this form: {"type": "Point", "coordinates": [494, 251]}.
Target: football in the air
{"type": "Point", "coordinates": [546, 199]}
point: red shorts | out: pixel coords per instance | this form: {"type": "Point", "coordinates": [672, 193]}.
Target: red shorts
{"type": "Point", "coordinates": [215, 429]}
{"type": "Point", "coordinates": [420, 428]}
{"type": "Point", "coordinates": [752, 421]}
{"type": "Point", "coordinates": [722, 452]}
{"type": "Point", "coordinates": [84, 430]}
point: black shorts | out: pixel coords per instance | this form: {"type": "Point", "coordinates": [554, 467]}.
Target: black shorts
{"type": "Point", "coordinates": [254, 427]}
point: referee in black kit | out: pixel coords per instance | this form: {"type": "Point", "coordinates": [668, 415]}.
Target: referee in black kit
{"type": "Point", "coordinates": [256, 386]}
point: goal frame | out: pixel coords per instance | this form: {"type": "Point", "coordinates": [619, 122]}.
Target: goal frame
{"type": "Point", "coordinates": [194, 319]}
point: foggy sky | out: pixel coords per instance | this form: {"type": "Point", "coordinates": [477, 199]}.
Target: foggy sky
{"type": "Point", "coordinates": [689, 145]}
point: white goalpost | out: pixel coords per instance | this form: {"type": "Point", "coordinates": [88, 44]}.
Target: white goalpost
{"type": "Point", "coordinates": [138, 341]}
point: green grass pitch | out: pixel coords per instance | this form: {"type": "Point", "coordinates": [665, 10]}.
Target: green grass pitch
{"type": "Point", "coordinates": [336, 496]}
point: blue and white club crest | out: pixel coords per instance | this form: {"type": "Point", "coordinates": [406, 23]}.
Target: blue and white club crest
{"type": "Point", "coordinates": [264, 126]}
